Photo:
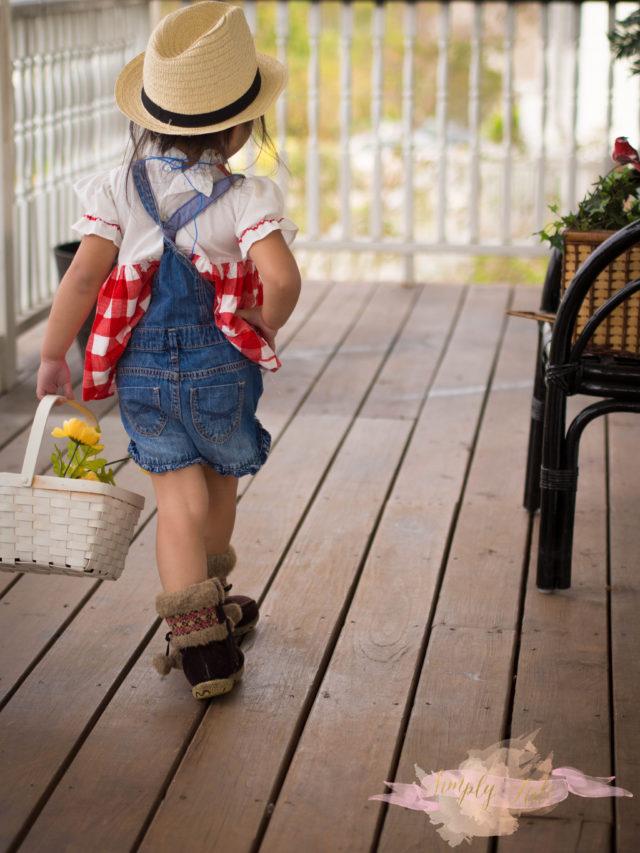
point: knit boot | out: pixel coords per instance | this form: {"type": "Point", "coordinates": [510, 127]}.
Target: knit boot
{"type": "Point", "coordinates": [221, 565]}
{"type": "Point", "coordinates": [200, 640]}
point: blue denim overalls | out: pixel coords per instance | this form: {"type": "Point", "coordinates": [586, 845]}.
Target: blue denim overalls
{"type": "Point", "coordinates": [187, 395]}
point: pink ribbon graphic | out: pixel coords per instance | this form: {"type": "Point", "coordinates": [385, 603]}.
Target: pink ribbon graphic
{"type": "Point", "coordinates": [492, 791]}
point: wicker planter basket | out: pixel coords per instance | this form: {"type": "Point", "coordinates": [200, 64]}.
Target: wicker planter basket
{"type": "Point", "coordinates": [619, 334]}
{"type": "Point", "coordinates": [56, 525]}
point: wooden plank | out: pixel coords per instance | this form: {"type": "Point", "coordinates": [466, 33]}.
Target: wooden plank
{"type": "Point", "coordinates": [459, 706]}
{"type": "Point", "coordinates": [625, 626]}
{"type": "Point", "coordinates": [312, 295]}
{"type": "Point", "coordinates": [349, 375]}
{"type": "Point", "coordinates": [399, 389]}
{"type": "Point", "coordinates": [239, 750]}
{"type": "Point", "coordinates": [556, 835]}
{"type": "Point", "coordinates": [365, 687]}
{"type": "Point", "coordinates": [481, 586]}
{"type": "Point", "coordinates": [463, 689]}
{"type": "Point", "coordinates": [307, 355]}
{"type": "Point", "coordinates": [261, 537]}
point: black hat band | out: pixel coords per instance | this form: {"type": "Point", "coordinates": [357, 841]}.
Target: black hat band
{"type": "Point", "coordinates": [203, 119]}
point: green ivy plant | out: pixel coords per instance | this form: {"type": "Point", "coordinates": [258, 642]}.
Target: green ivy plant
{"type": "Point", "coordinates": [625, 40]}
{"type": "Point", "coordinates": [613, 203]}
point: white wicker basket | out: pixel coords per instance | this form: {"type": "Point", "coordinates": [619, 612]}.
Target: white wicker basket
{"type": "Point", "coordinates": [55, 525]}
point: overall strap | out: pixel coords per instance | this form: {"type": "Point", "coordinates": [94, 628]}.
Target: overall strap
{"type": "Point", "coordinates": [196, 205]}
{"type": "Point", "coordinates": [186, 211]}
{"type": "Point", "coordinates": [141, 179]}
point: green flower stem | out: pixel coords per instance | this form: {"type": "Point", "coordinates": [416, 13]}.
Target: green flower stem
{"type": "Point", "coordinates": [75, 450]}
{"type": "Point", "coordinates": [79, 464]}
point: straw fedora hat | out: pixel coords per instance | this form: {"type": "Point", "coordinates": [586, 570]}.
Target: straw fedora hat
{"type": "Point", "coordinates": [200, 73]}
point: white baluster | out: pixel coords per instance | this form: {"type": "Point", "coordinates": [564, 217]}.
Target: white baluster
{"type": "Point", "coordinates": [475, 73]}
{"type": "Point", "coordinates": [346, 39]}
{"type": "Point", "coordinates": [540, 202]}
{"type": "Point", "coordinates": [39, 223]}
{"type": "Point", "coordinates": [442, 96]}
{"type": "Point", "coordinates": [572, 87]}
{"type": "Point", "coordinates": [606, 154]}
{"type": "Point", "coordinates": [377, 72]}
{"type": "Point", "coordinates": [507, 124]}
{"type": "Point", "coordinates": [313, 119]}
{"type": "Point", "coordinates": [282, 36]}
{"type": "Point", "coordinates": [409, 36]}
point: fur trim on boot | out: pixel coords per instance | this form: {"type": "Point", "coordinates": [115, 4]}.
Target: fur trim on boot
{"type": "Point", "coordinates": [200, 640]}
{"type": "Point", "coordinates": [219, 566]}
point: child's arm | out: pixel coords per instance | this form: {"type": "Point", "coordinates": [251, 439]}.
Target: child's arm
{"type": "Point", "coordinates": [73, 302]}
{"type": "Point", "coordinates": [280, 278]}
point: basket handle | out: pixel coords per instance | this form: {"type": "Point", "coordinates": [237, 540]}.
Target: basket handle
{"type": "Point", "coordinates": [37, 431]}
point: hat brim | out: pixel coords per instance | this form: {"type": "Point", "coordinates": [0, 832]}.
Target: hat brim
{"type": "Point", "coordinates": [128, 93]}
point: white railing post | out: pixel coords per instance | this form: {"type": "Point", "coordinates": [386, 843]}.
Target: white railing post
{"type": "Point", "coordinates": [541, 155]}
{"type": "Point", "coordinates": [282, 36]}
{"type": "Point", "coordinates": [7, 286]}
{"type": "Point", "coordinates": [377, 76]}
{"type": "Point", "coordinates": [475, 74]}
{"type": "Point", "coordinates": [409, 34]}
{"type": "Point", "coordinates": [507, 124]}
{"type": "Point", "coordinates": [313, 120]}
{"type": "Point", "coordinates": [572, 88]}
{"type": "Point", "coordinates": [346, 38]}
{"type": "Point", "coordinates": [442, 110]}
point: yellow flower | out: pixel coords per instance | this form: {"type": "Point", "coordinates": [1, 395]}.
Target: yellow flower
{"type": "Point", "coordinates": [79, 431]}
{"type": "Point", "coordinates": [90, 475]}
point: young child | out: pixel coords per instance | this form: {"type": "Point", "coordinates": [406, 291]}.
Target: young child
{"type": "Point", "coordinates": [188, 317]}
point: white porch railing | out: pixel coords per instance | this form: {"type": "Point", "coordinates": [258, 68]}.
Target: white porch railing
{"type": "Point", "coordinates": [412, 131]}
{"type": "Point", "coordinates": [64, 59]}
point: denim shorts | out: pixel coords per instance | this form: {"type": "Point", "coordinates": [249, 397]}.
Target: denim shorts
{"type": "Point", "coordinates": [187, 396]}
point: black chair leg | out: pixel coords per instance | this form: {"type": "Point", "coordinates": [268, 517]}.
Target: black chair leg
{"type": "Point", "coordinates": [553, 487]}
{"type": "Point", "coordinates": [559, 482]}
{"type": "Point", "coordinates": [536, 425]}
{"type": "Point", "coordinates": [549, 303]}
{"type": "Point", "coordinates": [557, 513]}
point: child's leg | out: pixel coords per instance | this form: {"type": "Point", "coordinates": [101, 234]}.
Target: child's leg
{"type": "Point", "coordinates": [195, 607]}
{"type": "Point", "coordinates": [183, 509]}
{"type": "Point", "coordinates": [221, 516]}
{"type": "Point", "coordinates": [221, 557]}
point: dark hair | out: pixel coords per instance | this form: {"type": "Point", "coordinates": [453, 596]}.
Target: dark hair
{"type": "Point", "coordinates": [194, 146]}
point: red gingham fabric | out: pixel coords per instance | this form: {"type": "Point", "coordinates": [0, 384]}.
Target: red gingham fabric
{"type": "Point", "coordinates": [125, 296]}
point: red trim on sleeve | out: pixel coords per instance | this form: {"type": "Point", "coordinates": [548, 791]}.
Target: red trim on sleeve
{"type": "Point", "coordinates": [257, 225]}
{"type": "Point", "coordinates": [98, 219]}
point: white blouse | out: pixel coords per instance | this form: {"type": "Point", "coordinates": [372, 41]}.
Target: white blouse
{"type": "Point", "coordinates": [223, 232]}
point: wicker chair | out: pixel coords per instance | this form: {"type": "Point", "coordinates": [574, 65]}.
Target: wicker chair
{"type": "Point", "coordinates": [591, 347]}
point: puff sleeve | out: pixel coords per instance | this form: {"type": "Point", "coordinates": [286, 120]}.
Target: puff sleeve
{"type": "Point", "coordinates": [259, 211]}
{"type": "Point", "coordinates": [100, 212]}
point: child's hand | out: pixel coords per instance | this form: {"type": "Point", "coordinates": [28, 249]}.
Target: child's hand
{"type": "Point", "coordinates": [52, 375]}
{"type": "Point", "coordinates": [253, 316]}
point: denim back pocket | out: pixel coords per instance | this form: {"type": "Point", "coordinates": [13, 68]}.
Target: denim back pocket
{"type": "Point", "coordinates": [216, 411]}
{"type": "Point", "coordinates": [141, 406]}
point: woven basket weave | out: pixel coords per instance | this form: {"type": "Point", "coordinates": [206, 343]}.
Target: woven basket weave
{"type": "Point", "coordinates": [619, 334]}
{"type": "Point", "coordinates": [56, 525]}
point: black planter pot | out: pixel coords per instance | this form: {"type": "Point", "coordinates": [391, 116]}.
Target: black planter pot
{"type": "Point", "coordinates": [64, 255]}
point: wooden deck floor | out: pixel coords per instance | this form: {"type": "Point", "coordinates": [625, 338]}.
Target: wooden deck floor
{"type": "Point", "coordinates": [387, 544]}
